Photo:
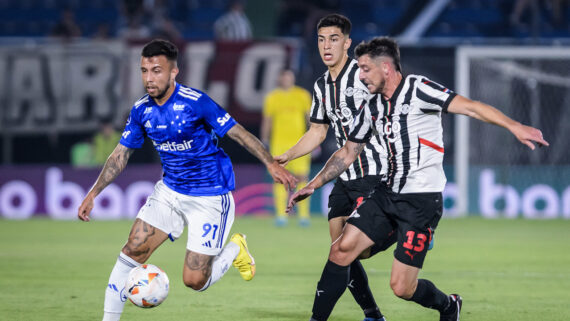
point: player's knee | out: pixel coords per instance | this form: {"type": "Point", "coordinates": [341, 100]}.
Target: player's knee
{"type": "Point", "coordinates": [339, 255]}
{"type": "Point", "coordinates": [195, 283]}
{"type": "Point", "coordinates": [401, 289]}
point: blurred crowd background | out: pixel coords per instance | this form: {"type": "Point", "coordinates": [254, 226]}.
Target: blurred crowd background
{"type": "Point", "coordinates": [429, 31]}
{"type": "Point", "coordinates": [69, 75]}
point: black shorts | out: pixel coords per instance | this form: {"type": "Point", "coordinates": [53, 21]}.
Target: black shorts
{"type": "Point", "coordinates": [345, 195]}
{"type": "Point", "coordinates": [414, 216]}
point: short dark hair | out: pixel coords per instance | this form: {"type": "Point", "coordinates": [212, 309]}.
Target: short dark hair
{"type": "Point", "coordinates": [336, 20]}
{"type": "Point", "coordinates": [380, 46]}
{"type": "Point", "coordinates": [159, 47]}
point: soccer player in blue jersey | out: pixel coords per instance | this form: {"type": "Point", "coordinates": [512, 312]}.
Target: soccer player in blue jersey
{"type": "Point", "coordinates": [183, 124]}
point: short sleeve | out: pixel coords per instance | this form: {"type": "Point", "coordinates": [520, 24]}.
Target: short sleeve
{"type": "Point", "coordinates": [219, 119]}
{"type": "Point", "coordinates": [133, 135]}
{"type": "Point", "coordinates": [434, 96]}
{"type": "Point", "coordinates": [318, 112]}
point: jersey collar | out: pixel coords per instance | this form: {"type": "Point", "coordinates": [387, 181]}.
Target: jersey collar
{"type": "Point", "coordinates": [396, 92]}
{"type": "Point", "coordinates": [341, 73]}
{"type": "Point", "coordinates": [171, 98]}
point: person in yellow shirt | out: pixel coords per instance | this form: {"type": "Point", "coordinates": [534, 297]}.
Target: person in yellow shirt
{"type": "Point", "coordinates": [285, 117]}
{"type": "Point", "coordinates": [104, 142]}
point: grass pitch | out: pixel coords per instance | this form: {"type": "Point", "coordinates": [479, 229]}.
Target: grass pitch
{"type": "Point", "coordinates": [504, 269]}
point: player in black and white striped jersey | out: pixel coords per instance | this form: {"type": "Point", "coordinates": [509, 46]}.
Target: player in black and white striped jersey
{"type": "Point", "coordinates": [337, 96]}
{"type": "Point", "coordinates": [336, 103]}
{"type": "Point", "coordinates": [406, 115]}
{"type": "Point", "coordinates": [409, 124]}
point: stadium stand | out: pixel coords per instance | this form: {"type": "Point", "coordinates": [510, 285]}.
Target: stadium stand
{"type": "Point", "coordinates": [460, 18]}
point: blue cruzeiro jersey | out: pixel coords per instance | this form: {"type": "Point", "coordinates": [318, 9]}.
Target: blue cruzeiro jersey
{"type": "Point", "coordinates": [183, 131]}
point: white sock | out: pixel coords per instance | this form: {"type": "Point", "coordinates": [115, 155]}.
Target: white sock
{"type": "Point", "coordinates": [110, 316]}
{"type": "Point", "coordinates": [222, 263]}
{"type": "Point", "coordinates": [115, 295]}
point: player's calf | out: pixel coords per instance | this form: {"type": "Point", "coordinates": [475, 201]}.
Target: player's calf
{"type": "Point", "coordinates": [197, 270]}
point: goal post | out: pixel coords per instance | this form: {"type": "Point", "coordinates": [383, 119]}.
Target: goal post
{"type": "Point", "coordinates": [494, 174]}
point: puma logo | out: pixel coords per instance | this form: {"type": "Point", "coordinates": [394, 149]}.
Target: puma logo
{"type": "Point", "coordinates": [410, 254]}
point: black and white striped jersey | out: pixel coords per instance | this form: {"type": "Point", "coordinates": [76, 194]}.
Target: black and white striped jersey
{"type": "Point", "coordinates": [337, 103]}
{"type": "Point", "coordinates": [409, 126]}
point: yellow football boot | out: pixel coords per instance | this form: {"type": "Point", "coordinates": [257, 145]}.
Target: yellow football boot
{"type": "Point", "coordinates": [244, 262]}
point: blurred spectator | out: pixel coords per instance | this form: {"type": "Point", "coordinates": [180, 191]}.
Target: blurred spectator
{"type": "Point", "coordinates": [165, 29]}
{"type": "Point", "coordinates": [285, 116]}
{"type": "Point", "coordinates": [162, 26]}
{"type": "Point", "coordinates": [103, 32]}
{"type": "Point", "coordinates": [132, 9]}
{"type": "Point", "coordinates": [82, 154]}
{"type": "Point", "coordinates": [300, 17]}
{"type": "Point", "coordinates": [233, 25]}
{"type": "Point", "coordinates": [559, 12]}
{"type": "Point", "coordinates": [522, 8]}
{"type": "Point", "coordinates": [135, 30]}
{"type": "Point", "coordinates": [66, 27]}
{"type": "Point", "coordinates": [105, 142]}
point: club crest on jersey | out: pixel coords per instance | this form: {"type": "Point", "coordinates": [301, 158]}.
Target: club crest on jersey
{"type": "Point", "coordinates": [178, 107]}
{"type": "Point", "coordinates": [356, 92]}
{"type": "Point", "coordinates": [403, 109]}
{"type": "Point", "coordinates": [223, 120]}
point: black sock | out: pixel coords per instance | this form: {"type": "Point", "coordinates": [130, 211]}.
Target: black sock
{"type": "Point", "coordinates": [429, 296]}
{"type": "Point", "coordinates": [358, 286]}
{"type": "Point", "coordinates": [330, 288]}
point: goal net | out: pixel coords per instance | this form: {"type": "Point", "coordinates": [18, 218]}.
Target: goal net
{"type": "Point", "coordinates": [496, 175]}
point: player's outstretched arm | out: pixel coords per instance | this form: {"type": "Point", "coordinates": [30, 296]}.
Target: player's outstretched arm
{"type": "Point", "coordinates": [336, 165]}
{"type": "Point", "coordinates": [525, 134]}
{"type": "Point", "coordinates": [306, 144]}
{"type": "Point", "coordinates": [255, 147]}
{"type": "Point", "coordinates": [112, 168]}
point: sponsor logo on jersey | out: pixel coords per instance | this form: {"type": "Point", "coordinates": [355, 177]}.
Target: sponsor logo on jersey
{"type": "Point", "coordinates": [126, 134]}
{"type": "Point", "coordinates": [162, 126]}
{"type": "Point", "coordinates": [342, 115]}
{"type": "Point", "coordinates": [148, 124]}
{"type": "Point", "coordinates": [173, 146]}
{"type": "Point", "coordinates": [223, 120]}
{"type": "Point", "coordinates": [178, 107]}
{"type": "Point", "coordinates": [147, 110]}
{"type": "Point", "coordinates": [389, 129]}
